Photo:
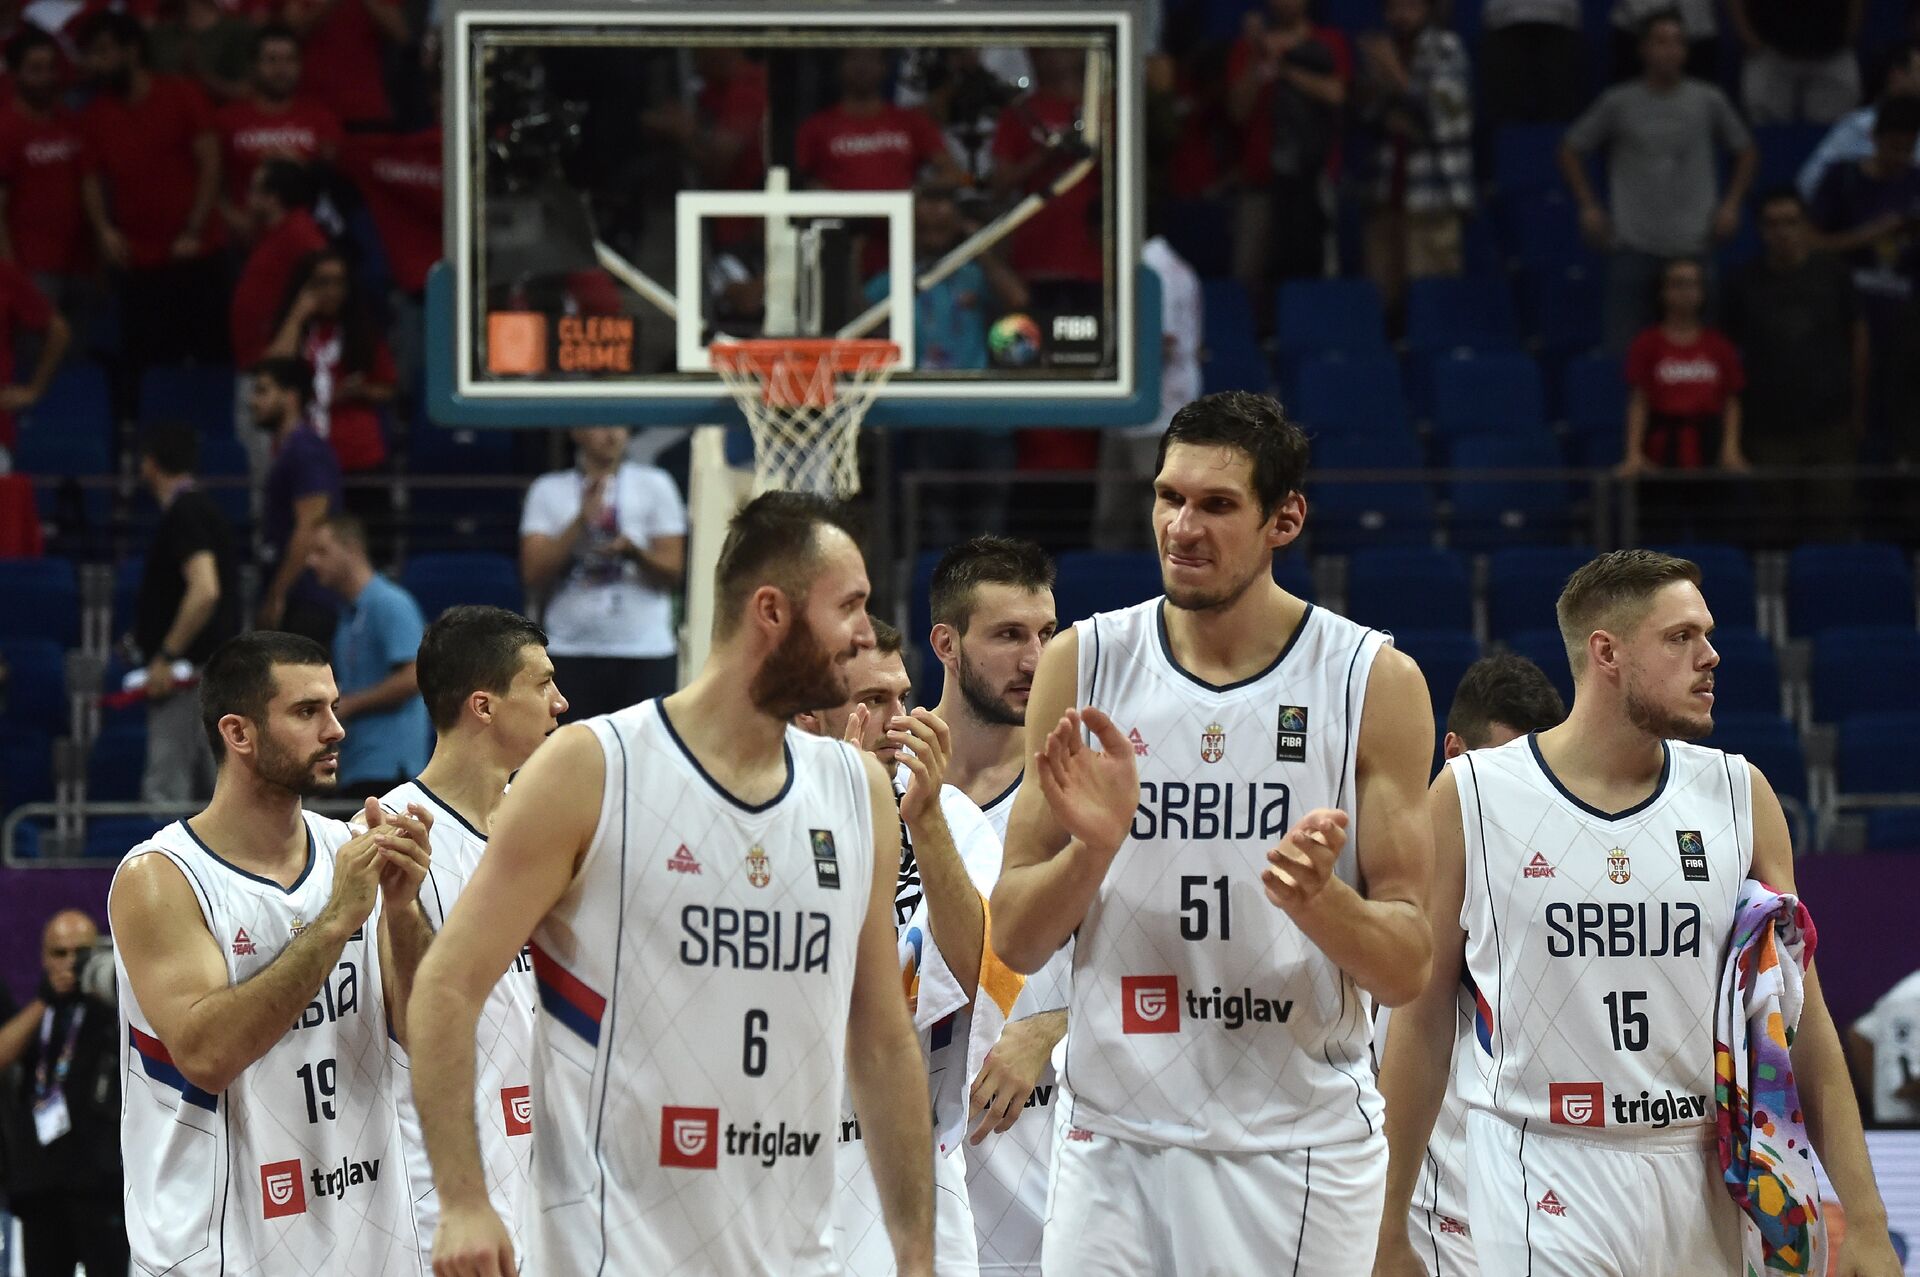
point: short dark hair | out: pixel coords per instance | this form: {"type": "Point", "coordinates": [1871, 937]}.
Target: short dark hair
{"type": "Point", "coordinates": [287, 372]}
{"type": "Point", "coordinates": [238, 677]}
{"type": "Point", "coordinates": [271, 31]}
{"type": "Point", "coordinates": [984, 560]}
{"type": "Point", "coordinates": [288, 181]}
{"type": "Point", "coordinates": [123, 29]}
{"type": "Point", "coordinates": [773, 539]}
{"type": "Point", "coordinates": [1785, 193]}
{"type": "Point", "coordinates": [172, 446]}
{"type": "Point", "coordinates": [24, 42]}
{"type": "Point", "coordinates": [1612, 591]}
{"type": "Point", "coordinates": [349, 528]}
{"type": "Point", "coordinates": [1897, 113]}
{"type": "Point", "coordinates": [1503, 688]}
{"type": "Point", "coordinates": [1654, 19]}
{"type": "Point", "coordinates": [887, 638]}
{"type": "Point", "coordinates": [470, 649]}
{"type": "Point", "coordinates": [1255, 424]}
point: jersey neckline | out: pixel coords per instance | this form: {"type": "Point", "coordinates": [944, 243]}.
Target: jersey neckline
{"type": "Point", "coordinates": [1659, 787]}
{"type": "Point", "coordinates": [1166, 650]}
{"type": "Point", "coordinates": [1004, 794]}
{"type": "Point", "coordinates": [447, 807]}
{"type": "Point", "coordinates": [786, 751]}
{"type": "Point", "coordinates": [228, 864]}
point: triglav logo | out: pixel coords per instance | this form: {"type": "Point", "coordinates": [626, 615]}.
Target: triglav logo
{"type": "Point", "coordinates": [516, 1107]}
{"type": "Point", "coordinates": [283, 1189]}
{"type": "Point", "coordinates": [689, 1138]}
{"type": "Point", "coordinates": [1149, 1004]}
{"type": "Point", "coordinates": [1577, 1103]}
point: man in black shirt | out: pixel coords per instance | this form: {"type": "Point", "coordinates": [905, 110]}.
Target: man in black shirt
{"type": "Point", "coordinates": [60, 1112]}
{"type": "Point", "coordinates": [189, 604]}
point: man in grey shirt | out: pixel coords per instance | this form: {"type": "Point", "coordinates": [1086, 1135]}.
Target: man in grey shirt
{"type": "Point", "coordinates": [1659, 132]}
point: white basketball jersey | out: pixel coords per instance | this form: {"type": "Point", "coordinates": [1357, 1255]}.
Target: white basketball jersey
{"type": "Point", "coordinates": [503, 1040]}
{"type": "Point", "coordinates": [694, 984]}
{"type": "Point", "coordinates": [1441, 1189]}
{"type": "Point", "coordinates": [296, 1167]}
{"type": "Point", "coordinates": [1201, 1016]}
{"type": "Point", "coordinates": [1596, 942]}
{"type": "Point", "coordinates": [1008, 1175]}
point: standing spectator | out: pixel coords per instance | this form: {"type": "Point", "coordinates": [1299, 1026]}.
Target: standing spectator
{"type": "Point", "coordinates": [1683, 412]}
{"type": "Point", "coordinates": [1057, 250]}
{"type": "Point", "coordinates": [1794, 315]}
{"type": "Point", "coordinates": [1699, 30]}
{"type": "Point", "coordinates": [1852, 138]}
{"type": "Point", "coordinates": [152, 206]}
{"type": "Point", "coordinates": [1287, 85]}
{"type": "Point", "coordinates": [189, 604]}
{"type": "Point", "coordinates": [1800, 63]}
{"type": "Point", "coordinates": [1417, 89]}
{"type": "Point", "coordinates": [1659, 132]}
{"type": "Point", "coordinates": [302, 489]}
{"type": "Point", "coordinates": [603, 546]}
{"type": "Point", "coordinates": [374, 644]}
{"type": "Point", "coordinates": [864, 142]}
{"type": "Point", "coordinates": [1867, 210]}
{"type": "Point", "coordinates": [284, 235]}
{"type": "Point", "coordinates": [345, 54]}
{"type": "Point", "coordinates": [205, 40]}
{"type": "Point", "coordinates": [1533, 62]}
{"type": "Point", "coordinates": [1885, 1055]}
{"type": "Point", "coordinates": [43, 163]}
{"type": "Point", "coordinates": [25, 309]}
{"type": "Point", "coordinates": [63, 1114]}
{"type": "Point", "coordinates": [723, 133]}
{"type": "Point", "coordinates": [326, 323]}
{"type": "Point", "coordinates": [271, 123]}
{"type": "Point", "coordinates": [398, 175]}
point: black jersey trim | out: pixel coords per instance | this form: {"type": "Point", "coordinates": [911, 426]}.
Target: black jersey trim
{"type": "Point", "coordinates": [1004, 794]}
{"type": "Point", "coordinates": [1306, 1201]}
{"type": "Point", "coordinates": [1166, 650]}
{"type": "Point", "coordinates": [1093, 670]}
{"type": "Point", "coordinates": [786, 750]}
{"type": "Point", "coordinates": [219, 859]}
{"type": "Point", "coordinates": [613, 985]}
{"type": "Point", "coordinates": [1526, 1196]}
{"type": "Point", "coordinates": [447, 807]}
{"type": "Point", "coordinates": [1493, 914]}
{"type": "Point", "coordinates": [1659, 788]}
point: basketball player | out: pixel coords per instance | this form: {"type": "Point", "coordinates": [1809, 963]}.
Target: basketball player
{"type": "Point", "coordinates": [1599, 863]}
{"type": "Point", "coordinates": [1227, 937]}
{"type": "Point", "coordinates": [1500, 697]}
{"type": "Point", "coordinates": [489, 689]}
{"type": "Point", "coordinates": [262, 952]}
{"type": "Point", "coordinates": [949, 858]}
{"type": "Point", "coordinates": [992, 602]}
{"type": "Point", "coordinates": [710, 896]}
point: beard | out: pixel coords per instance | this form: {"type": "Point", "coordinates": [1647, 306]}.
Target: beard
{"type": "Point", "coordinates": [799, 676]}
{"type": "Point", "coordinates": [278, 765]}
{"type": "Point", "coordinates": [986, 704]}
{"type": "Point", "coordinates": [1665, 724]}
{"type": "Point", "coordinates": [1209, 600]}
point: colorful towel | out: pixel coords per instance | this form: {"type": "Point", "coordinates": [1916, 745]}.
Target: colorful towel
{"type": "Point", "coordinates": [1766, 1161]}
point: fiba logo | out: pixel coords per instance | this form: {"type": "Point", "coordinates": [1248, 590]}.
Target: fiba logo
{"type": "Point", "coordinates": [690, 1138]}
{"type": "Point", "coordinates": [283, 1190]}
{"type": "Point", "coordinates": [1577, 1103]}
{"type": "Point", "coordinates": [1149, 1004]}
{"type": "Point", "coordinates": [516, 1107]}
{"type": "Point", "coordinates": [1014, 341]}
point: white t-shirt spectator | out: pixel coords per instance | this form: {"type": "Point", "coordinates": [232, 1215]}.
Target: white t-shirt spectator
{"type": "Point", "coordinates": [603, 606]}
{"type": "Point", "coordinates": [1893, 1026]}
{"type": "Point", "coordinates": [1181, 330]}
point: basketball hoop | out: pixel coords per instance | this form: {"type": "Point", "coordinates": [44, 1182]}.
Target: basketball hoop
{"type": "Point", "coordinates": [804, 399]}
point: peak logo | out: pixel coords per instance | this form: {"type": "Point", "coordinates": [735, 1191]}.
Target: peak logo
{"type": "Point", "coordinates": [1138, 742]}
{"type": "Point", "coordinates": [690, 1138]}
{"type": "Point", "coordinates": [1577, 1103]}
{"type": "Point", "coordinates": [1537, 867]}
{"type": "Point", "coordinates": [1149, 1004]}
{"type": "Point", "coordinates": [1550, 1205]}
{"type": "Point", "coordinates": [283, 1190]}
{"type": "Point", "coordinates": [516, 1108]}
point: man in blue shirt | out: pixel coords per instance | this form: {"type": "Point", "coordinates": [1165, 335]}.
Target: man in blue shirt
{"type": "Point", "coordinates": [379, 633]}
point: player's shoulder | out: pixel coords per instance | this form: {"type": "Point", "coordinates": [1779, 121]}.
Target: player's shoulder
{"type": "Point", "coordinates": [962, 812]}
{"type": "Point", "coordinates": [329, 835]}
{"type": "Point", "coordinates": [817, 756]}
{"type": "Point", "coordinates": [1690, 760]}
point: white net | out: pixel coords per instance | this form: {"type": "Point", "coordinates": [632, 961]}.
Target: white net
{"type": "Point", "coordinates": [804, 401]}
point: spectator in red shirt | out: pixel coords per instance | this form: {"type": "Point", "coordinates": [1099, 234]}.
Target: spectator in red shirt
{"type": "Point", "coordinates": [343, 54]}
{"type": "Point", "coordinates": [152, 200]}
{"type": "Point", "coordinates": [24, 308]}
{"type": "Point", "coordinates": [399, 177]}
{"type": "Point", "coordinates": [327, 324]}
{"type": "Point", "coordinates": [1057, 251]}
{"type": "Point", "coordinates": [1686, 378]}
{"type": "Point", "coordinates": [43, 160]}
{"type": "Point", "coordinates": [285, 235]}
{"type": "Point", "coordinates": [864, 142]}
{"type": "Point", "coordinates": [272, 122]}
{"type": "Point", "coordinates": [722, 135]}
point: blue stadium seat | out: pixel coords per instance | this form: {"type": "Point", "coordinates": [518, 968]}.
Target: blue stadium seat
{"type": "Point", "coordinates": [118, 758]}
{"type": "Point", "coordinates": [1894, 829]}
{"type": "Point", "coordinates": [1227, 312]}
{"type": "Point", "coordinates": [199, 394]}
{"type": "Point", "coordinates": [1563, 310]}
{"type": "Point", "coordinates": [1543, 229]}
{"type": "Point", "coordinates": [1410, 589]}
{"type": "Point", "coordinates": [1862, 669]}
{"type": "Point", "coordinates": [1783, 149]}
{"type": "Point", "coordinates": [1314, 316]}
{"type": "Point", "coordinates": [1490, 394]}
{"type": "Point", "coordinates": [1726, 579]}
{"type": "Point", "coordinates": [1201, 231]}
{"type": "Point", "coordinates": [920, 606]}
{"type": "Point", "coordinates": [111, 837]}
{"type": "Point", "coordinates": [1494, 512]}
{"type": "Point", "coordinates": [1460, 313]}
{"type": "Point", "coordinates": [1092, 581]}
{"type": "Point", "coordinates": [1235, 367]}
{"type": "Point", "coordinates": [440, 581]}
{"type": "Point", "coordinates": [1835, 586]}
{"type": "Point", "coordinates": [36, 687]}
{"type": "Point", "coordinates": [223, 456]}
{"type": "Point", "coordinates": [126, 592]}
{"type": "Point", "coordinates": [1769, 742]}
{"type": "Point", "coordinates": [1594, 406]}
{"type": "Point", "coordinates": [48, 446]}
{"type": "Point", "coordinates": [1526, 157]}
{"type": "Point", "coordinates": [1878, 754]}
{"type": "Point", "coordinates": [1545, 648]}
{"type": "Point", "coordinates": [1443, 656]}
{"type": "Point", "coordinates": [1524, 583]}
{"type": "Point", "coordinates": [77, 401]}
{"type": "Point", "coordinates": [1350, 394]}
{"type": "Point", "coordinates": [26, 765]}
{"type": "Point", "coordinates": [1349, 514]}
{"type": "Point", "coordinates": [1747, 680]}
{"type": "Point", "coordinates": [433, 449]}
{"type": "Point", "coordinates": [42, 600]}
